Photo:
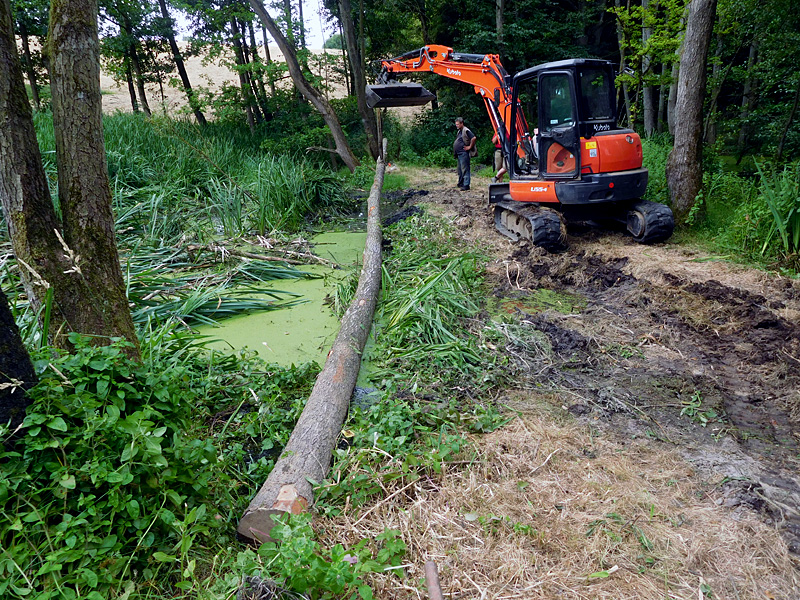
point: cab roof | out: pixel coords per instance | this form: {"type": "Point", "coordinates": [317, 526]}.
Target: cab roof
{"type": "Point", "coordinates": [563, 64]}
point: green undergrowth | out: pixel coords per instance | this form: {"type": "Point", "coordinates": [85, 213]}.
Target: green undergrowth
{"type": "Point", "coordinates": [126, 479]}
{"type": "Point", "coordinates": [430, 360]}
{"type": "Point", "coordinates": [172, 180]}
{"type": "Point", "coordinates": [427, 323]}
{"type": "Point", "coordinates": [748, 214]}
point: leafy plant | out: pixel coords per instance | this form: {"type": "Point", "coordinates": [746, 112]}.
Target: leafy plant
{"type": "Point", "coordinates": [782, 195]}
{"type": "Point", "coordinates": [115, 483]}
{"type": "Point", "coordinates": [693, 408]}
{"type": "Point", "coordinates": [297, 563]}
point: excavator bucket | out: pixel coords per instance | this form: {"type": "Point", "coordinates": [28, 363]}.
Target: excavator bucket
{"type": "Point", "coordinates": [397, 94]}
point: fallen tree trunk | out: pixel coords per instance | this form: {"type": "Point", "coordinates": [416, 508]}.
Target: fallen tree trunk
{"type": "Point", "coordinates": [307, 455]}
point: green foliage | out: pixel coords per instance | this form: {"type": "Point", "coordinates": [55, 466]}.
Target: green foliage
{"type": "Point", "coordinates": [114, 483]}
{"type": "Point", "coordinates": [431, 288]}
{"type": "Point", "coordinates": [655, 152]}
{"type": "Point", "coordinates": [171, 179]}
{"type": "Point", "coordinates": [395, 442]}
{"type": "Point", "coordinates": [432, 131]}
{"type": "Point", "coordinates": [364, 176]}
{"type": "Point", "coordinates": [694, 409]}
{"type": "Point", "coordinates": [298, 564]}
{"type": "Point", "coordinates": [335, 42]}
{"type": "Point", "coordinates": [781, 193]}
{"type": "Point", "coordinates": [441, 158]}
{"type": "Point", "coordinates": [743, 216]}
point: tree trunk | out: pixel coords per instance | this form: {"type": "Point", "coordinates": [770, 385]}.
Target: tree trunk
{"type": "Point", "coordinates": [748, 101]}
{"type": "Point", "coordinates": [676, 71]}
{"type": "Point", "coordinates": [345, 59]}
{"type": "Point", "coordinates": [16, 369]}
{"type": "Point", "coordinates": [247, 61]}
{"type": "Point", "coordinates": [243, 83]}
{"type": "Point", "coordinates": [131, 88]}
{"type": "Point", "coordinates": [367, 114]}
{"type": "Point", "coordinates": [84, 191]}
{"type": "Point", "coordinates": [499, 15]}
{"type": "Point", "coordinates": [663, 92]}
{"type": "Point", "coordinates": [307, 455]}
{"type": "Point", "coordinates": [621, 43]}
{"type": "Point", "coordinates": [672, 99]}
{"type": "Point", "coordinates": [362, 38]}
{"type": "Point", "coordinates": [27, 61]}
{"type": "Point", "coordinates": [139, 78]}
{"type": "Point", "coordinates": [270, 78]}
{"type": "Point", "coordinates": [287, 15]}
{"type": "Point", "coordinates": [302, 84]}
{"type": "Point", "coordinates": [710, 126]}
{"type": "Point", "coordinates": [424, 22]}
{"type": "Point", "coordinates": [194, 104]}
{"type": "Point", "coordinates": [29, 213]}
{"type": "Point", "coordinates": [256, 78]}
{"type": "Point", "coordinates": [789, 120]}
{"type": "Point", "coordinates": [647, 90]}
{"type": "Point", "coordinates": [684, 167]}
{"type": "Point", "coordinates": [302, 24]}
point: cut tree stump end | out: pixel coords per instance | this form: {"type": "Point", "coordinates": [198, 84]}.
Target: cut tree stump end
{"type": "Point", "coordinates": [255, 526]}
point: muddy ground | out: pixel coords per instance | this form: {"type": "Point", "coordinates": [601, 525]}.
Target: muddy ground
{"type": "Point", "coordinates": [657, 345]}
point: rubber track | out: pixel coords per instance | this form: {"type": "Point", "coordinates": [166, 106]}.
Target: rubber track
{"type": "Point", "coordinates": [659, 222]}
{"type": "Point", "coordinates": [547, 228]}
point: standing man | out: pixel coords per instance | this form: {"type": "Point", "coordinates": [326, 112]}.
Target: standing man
{"type": "Point", "coordinates": [499, 160]}
{"type": "Point", "coordinates": [463, 148]}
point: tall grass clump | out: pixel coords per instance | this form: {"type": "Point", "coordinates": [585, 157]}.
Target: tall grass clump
{"type": "Point", "coordinates": [755, 219]}
{"type": "Point", "coordinates": [431, 293]}
{"type": "Point", "coordinates": [781, 194]}
{"type": "Point", "coordinates": [173, 181]}
{"type": "Point", "coordinates": [285, 189]}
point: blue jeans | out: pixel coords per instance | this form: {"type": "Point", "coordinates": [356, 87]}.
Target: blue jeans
{"type": "Point", "coordinates": [463, 169]}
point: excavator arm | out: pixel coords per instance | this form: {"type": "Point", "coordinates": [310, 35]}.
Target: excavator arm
{"type": "Point", "coordinates": [483, 71]}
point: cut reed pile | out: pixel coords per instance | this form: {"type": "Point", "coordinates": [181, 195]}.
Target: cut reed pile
{"type": "Point", "coordinates": [548, 510]}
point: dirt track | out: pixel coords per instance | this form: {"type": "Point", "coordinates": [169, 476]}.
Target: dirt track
{"type": "Point", "coordinates": [670, 347]}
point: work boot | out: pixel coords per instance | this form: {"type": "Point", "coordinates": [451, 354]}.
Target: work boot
{"type": "Point", "coordinates": [464, 188]}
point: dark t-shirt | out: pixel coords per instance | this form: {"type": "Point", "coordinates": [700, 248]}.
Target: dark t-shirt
{"type": "Point", "coordinates": [463, 135]}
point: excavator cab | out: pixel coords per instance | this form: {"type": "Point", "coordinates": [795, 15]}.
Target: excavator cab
{"type": "Point", "coordinates": [572, 99]}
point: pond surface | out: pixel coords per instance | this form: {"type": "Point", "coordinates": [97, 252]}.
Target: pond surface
{"type": "Point", "coordinates": [303, 332]}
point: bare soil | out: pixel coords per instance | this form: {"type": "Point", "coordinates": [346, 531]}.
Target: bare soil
{"type": "Point", "coordinates": [672, 370]}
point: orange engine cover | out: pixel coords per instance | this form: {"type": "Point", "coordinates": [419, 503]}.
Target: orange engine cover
{"type": "Point", "coordinates": [614, 152]}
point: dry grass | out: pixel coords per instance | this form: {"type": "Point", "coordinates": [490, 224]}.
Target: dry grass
{"type": "Point", "coordinates": [546, 504]}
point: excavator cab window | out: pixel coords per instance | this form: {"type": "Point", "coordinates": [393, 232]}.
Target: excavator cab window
{"type": "Point", "coordinates": [558, 138]}
{"type": "Point", "coordinates": [597, 102]}
{"type": "Point", "coordinates": [558, 108]}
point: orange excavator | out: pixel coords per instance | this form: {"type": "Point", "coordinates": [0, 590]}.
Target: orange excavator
{"type": "Point", "coordinates": [574, 165]}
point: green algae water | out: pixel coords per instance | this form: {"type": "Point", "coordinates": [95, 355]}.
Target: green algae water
{"type": "Point", "coordinates": [305, 331]}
